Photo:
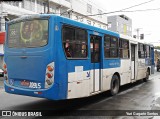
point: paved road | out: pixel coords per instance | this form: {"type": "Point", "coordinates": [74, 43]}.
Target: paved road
{"type": "Point", "coordinates": [137, 96]}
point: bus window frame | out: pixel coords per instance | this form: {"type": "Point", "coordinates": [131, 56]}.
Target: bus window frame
{"type": "Point", "coordinates": [122, 48]}
{"type": "Point", "coordinates": [139, 50]}
{"type": "Point", "coordinates": [24, 20]}
{"type": "Point", "coordinates": [149, 51]}
{"type": "Point", "coordinates": [62, 36]}
{"type": "Point", "coordinates": [107, 35]}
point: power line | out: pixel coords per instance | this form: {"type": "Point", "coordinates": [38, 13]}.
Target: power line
{"type": "Point", "coordinates": [122, 10]}
{"type": "Point", "coordinates": [136, 5]}
{"type": "Point", "coordinates": [142, 10]}
{"type": "Point", "coordinates": [130, 6]}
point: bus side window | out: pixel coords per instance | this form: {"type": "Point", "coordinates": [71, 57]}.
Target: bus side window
{"type": "Point", "coordinates": [74, 42]}
{"type": "Point", "coordinates": [123, 48]}
{"type": "Point", "coordinates": [110, 47]}
{"type": "Point", "coordinates": [141, 51]}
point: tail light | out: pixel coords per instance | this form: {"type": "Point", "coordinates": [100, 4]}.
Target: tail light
{"type": "Point", "coordinates": [49, 75]}
{"type": "Point", "coordinates": [50, 68]}
{"type": "Point", "coordinates": [5, 72]}
{"type": "Point", "coordinates": [49, 80]}
{"type": "Point", "coordinates": [4, 66]}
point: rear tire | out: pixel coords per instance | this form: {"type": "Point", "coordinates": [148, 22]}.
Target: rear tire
{"type": "Point", "coordinates": [147, 76]}
{"type": "Point", "coordinates": [157, 69]}
{"type": "Point", "coordinates": [114, 86]}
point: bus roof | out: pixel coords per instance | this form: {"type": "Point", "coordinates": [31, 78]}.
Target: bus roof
{"type": "Point", "coordinates": [131, 39]}
{"type": "Point", "coordinates": [134, 40]}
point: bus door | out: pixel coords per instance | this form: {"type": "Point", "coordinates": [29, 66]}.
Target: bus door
{"type": "Point", "coordinates": [132, 61]}
{"type": "Point", "coordinates": [95, 42]}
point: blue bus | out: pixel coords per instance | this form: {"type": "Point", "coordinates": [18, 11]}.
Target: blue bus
{"type": "Point", "coordinates": [149, 55]}
{"type": "Point", "coordinates": [57, 58]}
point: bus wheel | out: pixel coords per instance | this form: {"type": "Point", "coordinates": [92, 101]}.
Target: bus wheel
{"type": "Point", "coordinates": [147, 76]}
{"type": "Point", "coordinates": [114, 87]}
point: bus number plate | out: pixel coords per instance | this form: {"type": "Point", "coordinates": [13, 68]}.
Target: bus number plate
{"type": "Point", "coordinates": [31, 84]}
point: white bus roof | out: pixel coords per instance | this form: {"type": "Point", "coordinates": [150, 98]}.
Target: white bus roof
{"type": "Point", "coordinates": [134, 40]}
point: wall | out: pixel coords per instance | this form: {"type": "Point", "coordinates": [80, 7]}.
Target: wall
{"type": "Point", "coordinates": [120, 25]}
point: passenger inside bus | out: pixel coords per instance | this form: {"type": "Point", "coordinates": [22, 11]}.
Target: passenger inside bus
{"type": "Point", "coordinates": [67, 49]}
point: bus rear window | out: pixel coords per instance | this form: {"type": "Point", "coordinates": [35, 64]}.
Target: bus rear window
{"type": "Point", "coordinates": [28, 34]}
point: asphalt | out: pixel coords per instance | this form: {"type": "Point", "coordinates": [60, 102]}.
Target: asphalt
{"type": "Point", "coordinates": [137, 96]}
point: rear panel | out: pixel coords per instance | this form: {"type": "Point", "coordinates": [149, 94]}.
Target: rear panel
{"type": "Point", "coordinates": [30, 63]}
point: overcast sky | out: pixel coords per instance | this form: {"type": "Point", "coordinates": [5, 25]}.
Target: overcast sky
{"type": "Point", "coordinates": [149, 21]}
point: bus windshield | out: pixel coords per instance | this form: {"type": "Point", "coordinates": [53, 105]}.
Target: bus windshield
{"type": "Point", "coordinates": [28, 34]}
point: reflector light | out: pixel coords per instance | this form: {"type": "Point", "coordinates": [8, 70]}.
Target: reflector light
{"type": "Point", "coordinates": [49, 75]}
{"type": "Point", "coordinates": [37, 92]}
{"type": "Point", "coordinates": [50, 68]}
{"type": "Point", "coordinates": [11, 89]}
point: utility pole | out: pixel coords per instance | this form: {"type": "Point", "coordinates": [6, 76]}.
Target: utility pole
{"type": "Point", "coordinates": [137, 30]}
{"type": "Point", "coordinates": [48, 4]}
{"type": "Point", "coordinates": [44, 5]}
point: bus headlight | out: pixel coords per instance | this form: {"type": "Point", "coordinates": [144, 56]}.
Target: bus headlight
{"type": "Point", "coordinates": [49, 79]}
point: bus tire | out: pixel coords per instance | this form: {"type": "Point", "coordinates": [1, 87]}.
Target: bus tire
{"type": "Point", "coordinates": [114, 86]}
{"type": "Point", "coordinates": [147, 76]}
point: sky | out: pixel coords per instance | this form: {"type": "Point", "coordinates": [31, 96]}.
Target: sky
{"type": "Point", "coordinates": [147, 21]}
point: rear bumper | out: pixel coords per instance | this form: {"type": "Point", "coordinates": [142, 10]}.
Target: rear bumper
{"type": "Point", "coordinates": [51, 93]}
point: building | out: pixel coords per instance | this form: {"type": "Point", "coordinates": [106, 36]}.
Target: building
{"type": "Point", "coordinates": [121, 24]}
{"type": "Point", "coordinates": [73, 9]}
{"type": "Point", "coordinates": [83, 8]}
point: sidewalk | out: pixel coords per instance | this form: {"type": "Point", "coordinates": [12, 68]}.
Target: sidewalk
{"type": "Point", "coordinates": [1, 82]}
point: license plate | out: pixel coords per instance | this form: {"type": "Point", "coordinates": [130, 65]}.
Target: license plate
{"type": "Point", "coordinates": [30, 84]}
